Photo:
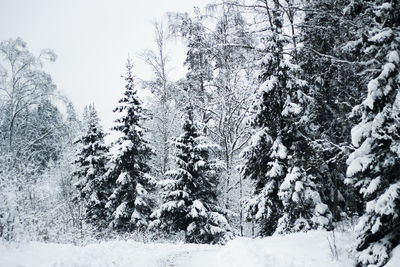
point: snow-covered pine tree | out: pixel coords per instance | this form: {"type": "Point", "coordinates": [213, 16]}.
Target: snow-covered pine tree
{"type": "Point", "coordinates": [375, 164]}
{"type": "Point", "coordinates": [286, 198]}
{"type": "Point", "coordinates": [92, 157]}
{"type": "Point", "coordinates": [190, 197]}
{"type": "Point", "coordinates": [130, 204]}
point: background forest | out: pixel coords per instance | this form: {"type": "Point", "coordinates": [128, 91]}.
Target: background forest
{"type": "Point", "coordinates": [287, 120]}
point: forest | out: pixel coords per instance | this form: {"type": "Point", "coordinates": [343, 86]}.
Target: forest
{"type": "Point", "coordinates": [286, 121]}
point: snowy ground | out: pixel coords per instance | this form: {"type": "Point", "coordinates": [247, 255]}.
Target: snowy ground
{"type": "Point", "coordinates": [311, 250]}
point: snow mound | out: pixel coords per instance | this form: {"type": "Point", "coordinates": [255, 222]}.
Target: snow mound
{"type": "Point", "coordinates": [395, 259]}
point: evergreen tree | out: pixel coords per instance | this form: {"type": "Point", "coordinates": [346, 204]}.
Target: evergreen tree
{"type": "Point", "coordinates": [91, 161]}
{"type": "Point", "coordinates": [375, 164]}
{"type": "Point", "coordinates": [130, 204]}
{"type": "Point", "coordinates": [190, 197]}
{"type": "Point", "coordinates": [303, 207]}
{"type": "Point", "coordinates": [330, 70]}
{"type": "Point", "coordinates": [43, 128]}
{"type": "Point", "coordinates": [277, 156]}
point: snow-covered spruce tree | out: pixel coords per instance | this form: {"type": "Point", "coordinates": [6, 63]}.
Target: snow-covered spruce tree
{"type": "Point", "coordinates": [92, 157]}
{"type": "Point", "coordinates": [190, 197]}
{"type": "Point", "coordinates": [375, 164]}
{"type": "Point", "coordinates": [286, 198]}
{"type": "Point", "coordinates": [303, 207]}
{"type": "Point", "coordinates": [331, 71]}
{"type": "Point", "coordinates": [129, 204]}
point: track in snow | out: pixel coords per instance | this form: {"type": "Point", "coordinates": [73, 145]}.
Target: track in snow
{"type": "Point", "coordinates": [193, 258]}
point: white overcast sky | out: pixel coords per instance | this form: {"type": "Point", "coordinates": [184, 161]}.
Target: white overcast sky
{"type": "Point", "coordinates": [92, 39]}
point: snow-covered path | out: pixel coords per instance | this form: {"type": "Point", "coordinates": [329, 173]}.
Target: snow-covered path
{"type": "Point", "coordinates": [194, 258]}
{"type": "Point", "coordinates": [296, 250]}
{"type": "Point", "coordinates": [106, 254]}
